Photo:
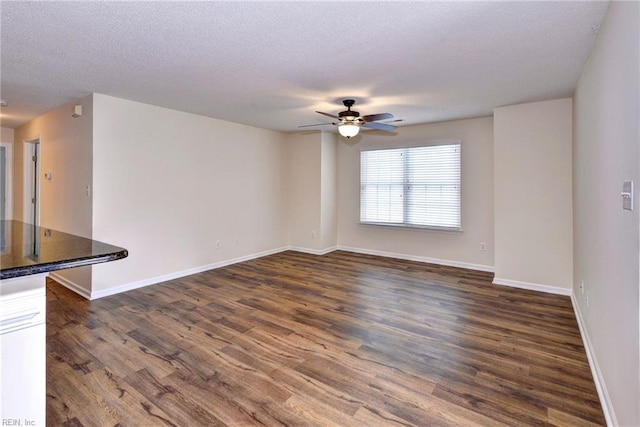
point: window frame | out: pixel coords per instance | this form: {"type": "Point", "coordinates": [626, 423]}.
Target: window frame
{"type": "Point", "coordinates": [404, 225]}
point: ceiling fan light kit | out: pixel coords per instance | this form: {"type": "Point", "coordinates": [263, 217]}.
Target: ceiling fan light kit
{"type": "Point", "coordinates": [349, 121]}
{"type": "Point", "coordinates": [348, 130]}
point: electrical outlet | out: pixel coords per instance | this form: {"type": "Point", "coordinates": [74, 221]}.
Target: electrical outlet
{"type": "Point", "coordinates": [582, 286]}
{"type": "Point", "coordinates": [218, 244]}
{"type": "Point", "coordinates": [313, 234]}
{"type": "Point", "coordinates": [483, 246]}
{"type": "Point", "coordinates": [236, 242]}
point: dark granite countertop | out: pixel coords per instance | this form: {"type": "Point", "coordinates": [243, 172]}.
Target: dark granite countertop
{"type": "Point", "coordinates": [26, 249]}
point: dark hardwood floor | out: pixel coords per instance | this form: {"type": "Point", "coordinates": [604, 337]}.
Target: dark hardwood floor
{"type": "Point", "coordinates": [302, 340]}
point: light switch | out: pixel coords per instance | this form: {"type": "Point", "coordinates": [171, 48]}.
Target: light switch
{"type": "Point", "coordinates": [627, 195]}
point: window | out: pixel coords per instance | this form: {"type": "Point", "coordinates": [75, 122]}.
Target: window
{"type": "Point", "coordinates": [411, 187]}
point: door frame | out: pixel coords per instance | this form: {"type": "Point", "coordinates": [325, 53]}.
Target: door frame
{"type": "Point", "coordinates": [8, 179]}
{"type": "Point", "coordinates": [31, 213]}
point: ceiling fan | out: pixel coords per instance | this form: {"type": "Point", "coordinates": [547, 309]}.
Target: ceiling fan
{"type": "Point", "coordinates": [349, 122]}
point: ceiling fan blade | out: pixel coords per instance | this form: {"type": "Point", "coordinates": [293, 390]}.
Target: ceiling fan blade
{"type": "Point", "coordinates": [379, 126]}
{"type": "Point", "coordinates": [328, 115]}
{"type": "Point", "coordinates": [317, 124]}
{"type": "Point", "coordinates": [376, 117]}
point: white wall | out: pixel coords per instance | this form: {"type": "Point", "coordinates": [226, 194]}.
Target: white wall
{"type": "Point", "coordinates": [168, 185]}
{"type": "Point", "coordinates": [305, 192]}
{"type": "Point", "coordinates": [312, 192]}
{"type": "Point", "coordinates": [328, 191]}
{"type": "Point", "coordinates": [65, 152]}
{"type": "Point", "coordinates": [532, 191]}
{"type": "Point", "coordinates": [461, 249]}
{"type": "Point", "coordinates": [6, 134]}
{"type": "Point", "coordinates": [606, 237]}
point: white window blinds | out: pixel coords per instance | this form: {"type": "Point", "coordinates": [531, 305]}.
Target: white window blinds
{"type": "Point", "coordinates": [418, 187]}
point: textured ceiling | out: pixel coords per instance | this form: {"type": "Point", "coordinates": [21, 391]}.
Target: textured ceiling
{"type": "Point", "coordinates": [272, 64]}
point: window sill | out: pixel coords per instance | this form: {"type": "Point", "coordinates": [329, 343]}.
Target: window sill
{"type": "Point", "coordinates": [413, 227]}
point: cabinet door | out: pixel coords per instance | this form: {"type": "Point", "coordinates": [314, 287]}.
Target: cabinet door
{"type": "Point", "coordinates": [23, 385]}
{"type": "Point", "coordinates": [23, 344]}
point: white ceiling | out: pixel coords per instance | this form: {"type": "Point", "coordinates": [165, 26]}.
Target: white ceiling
{"type": "Point", "coordinates": [272, 64]}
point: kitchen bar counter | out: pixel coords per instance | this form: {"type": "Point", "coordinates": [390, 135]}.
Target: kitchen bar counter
{"type": "Point", "coordinates": [27, 255]}
{"type": "Point", "coordinates": [27, 249]}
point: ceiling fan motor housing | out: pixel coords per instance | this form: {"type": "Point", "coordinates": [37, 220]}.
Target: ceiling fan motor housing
{"type": "Point", "coordinates": [349, 114]}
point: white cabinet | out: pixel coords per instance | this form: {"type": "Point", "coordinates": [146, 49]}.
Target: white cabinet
{"type": "Point", "coordinates": [23, 384]}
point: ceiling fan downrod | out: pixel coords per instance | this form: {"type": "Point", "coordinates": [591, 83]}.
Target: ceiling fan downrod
{"type": "Point", "coordinates": [349, 115]}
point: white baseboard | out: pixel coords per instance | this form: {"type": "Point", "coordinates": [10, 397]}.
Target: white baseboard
{"type": "Point", "coordinates": [532, 286]}
{"type": "Point", "coordinates": [179, 274]}
{"type": "Point", "coordinates": [598, 378]}
{"type": "Point", "coordinates": [73, 286]}
{"type": "Point", "coordinates": [312, 251]}
{"type": "Point", "coordinates": [448, 263]}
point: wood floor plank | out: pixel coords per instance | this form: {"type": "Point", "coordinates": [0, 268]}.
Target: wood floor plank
{"type": "Point", "coordinates": [70, 398]}
{"type": "Point", "coordinates": [560, 418]}
{"type": "Point", "coordinates": [184, 410]}
{"type": "Point", "coordinates": [342, 339]}
{"type": "Point", "coordinates": [131, 408]}
{"type": "Point", "coordinates": [68, 347]}
{"type": "Point", "coordinates": [305, 387]}
{"type": "Point", "coordinates": [318, 413]}
{"type": "Point", "coordinates": [122, 356]}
